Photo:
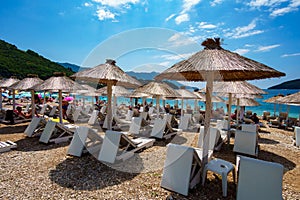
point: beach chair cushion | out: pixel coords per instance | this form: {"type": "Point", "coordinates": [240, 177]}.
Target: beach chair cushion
{"type": "Point", "coordinates": [259, 180]}
{"type": "Point", "coordinates": [245, 143]}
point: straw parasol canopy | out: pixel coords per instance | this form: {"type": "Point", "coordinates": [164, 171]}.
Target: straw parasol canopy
{"type": "Point", "coordinates": [274, 100]}
{"type": "Point", "coordinates": [290, 99]}
{"type": "Point", "coordinates": [116, 90]}
{"type": "Point", "coordinates": [215, 63]}
{"type": "Point", "coordinates": [61, 83]}
{"type": "Point", "coordinates": [26, 84]}
{"type": "Point", "coordinates": [5, 84]}
{"type": "Point", "coordinates": [158, 90]}
{"type": "Point", "coordinates": [237, 87]}
{"type": "Point", "coordinates": [110, 74]}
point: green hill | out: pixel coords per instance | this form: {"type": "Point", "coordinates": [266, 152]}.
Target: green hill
{"type": "Point", "coordinates": [15, 62]}
{"type": "Point", "coordinates": [293, 84]}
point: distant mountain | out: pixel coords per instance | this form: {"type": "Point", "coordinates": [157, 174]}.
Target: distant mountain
{"type": "Point", "coordinates": [73, 67]}
{"type": "Point", "coordinates": [146, 77]}
{"type": "Point", "coordinates": [15, 62]}
{"type": "Point", "coordinates": [293, 84]}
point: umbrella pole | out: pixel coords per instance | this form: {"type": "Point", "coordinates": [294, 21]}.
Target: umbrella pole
{"type": "Point", "coordinates": [237, 111]}
{"type": "Point", "coordinates": [229, 117]}
{"type": "Point", "coordinates": [0, 98]}
{"type": "Point", "coordinates": [157, 106]}
{"type": "Point", "coordinates": [109, 100]}
{"type": "Point", "coordinates": [60, 106]}
{"type": "Point", "coordinates": [115, 104]}
{"type": "Point", "coordinates": [181, 106]}
{"type": "Point", "coordinates": [32, 103]}
{"type": "Point", "coordinates": [208, 107]}
{"type": "Point", "coordinates": [14, 99]}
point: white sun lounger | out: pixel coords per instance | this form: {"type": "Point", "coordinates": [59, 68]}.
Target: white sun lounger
{"type": "Point", "coordinates": [259, 180]}
{"type": "Point", "coordinates": [297, 136]}
{"type": "Point", "coordinates": [117, 146]}
{"type": "Point", "coordinates": [79, 116]}
{"type": "Point", "coordinates": [52, 111]}
{"type": "Point", "coordinates": [35, 125]}
{"type": "Point", "coordinates": [245, 143]}
{"type": "Point", "coordinates": [249, 127]}
{"type": "Point", "coordinates": [93, 117]}
{"type": "Point", "coordinates": [56, 132]}
{"type": "Point", "coordinates": [85, 139]}
{"type": "Point", "coordinates": [182, 169]}
{"type": "Point", "coordinates": [184, 122]}
{"type": "Point", "coordinates": [162, 129]}
{"type": "Point", "coordinates": [129, 115]}
{"type": "Point", "coordinates": [7, 146]}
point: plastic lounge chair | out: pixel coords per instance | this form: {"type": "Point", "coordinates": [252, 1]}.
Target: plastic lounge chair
{"type": "Point", "coordinates": [7, 146]}
{"type": "Point", "coordinates": [245, 143]}
{"type": "Point", "coordinates": [117, 146]}
{"type": "Point", "coordinates": [297, 136]}
{"type": "Point", "coordinates": [225, 133]}
{"type": "Point", "coordinates": [214, 135]}
{"type": "Point", "coordinates": [84, 140]}
{"type": "Point", "coordinates": [184, 122]}
{"type": "Point", "coordinates": [135, 125]}
{"type": "Point", "coordinates": [129, 115]}
{"type": "Point", "coordinates": [93, 118]}
{"type": "Point", "coordinates": [259, 180]}
{"type": "Point", "coordinates": [103, 109]}
{"type": "Point", "coordinates": [182, 169]}
{"type": "Point", "coordinates": [121, 123]}
{"type": "Point", "coordinates": [56, 132]}
{"type": "Point", "coordinates": [249, 128]}
{"type": "Point", "coordinates": [52, 111]}
{"type": "Point", "coordinates": [43, 110]}
{"type": "Point", "coordinates": [36, 124]}
{"type": "Point", "coordinates": [162, 129]}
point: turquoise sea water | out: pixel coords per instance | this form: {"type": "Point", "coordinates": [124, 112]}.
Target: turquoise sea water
{"type": "Point", "coordinates": [294, 111]}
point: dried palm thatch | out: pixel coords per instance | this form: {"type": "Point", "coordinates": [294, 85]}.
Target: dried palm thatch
{"type": "Point", "coordinates": [136, 94]}
{"type": "Point", "coordinates": [244, 102]}
{"type": "Point", "coordinates": [27, 83]}
{"type": "Point", "coordinates": [116, 90]}
{"type": "Point", "coordinates": [214, 99]}
{"type": "Point", "coordinates": [290, 99]}
{"type": "Point", "coordinates": [251, 96]}
{"type": "Point", "coordinates": [273, 99]}
{"type": "Point", "coordinates": [108, 72]}
{"type": "Point", "coordinates": [8, 82]}
{"type": "Point", "coordinates": [224, 64]}
{"type": "Point", "coordinates": [236, 87]}
{"type": "Point", "coordinates": [185, 94]}
{"type": "Point", "coordinates": [158, 89]}
{"type": "Point", "coordinates": [59, 82]}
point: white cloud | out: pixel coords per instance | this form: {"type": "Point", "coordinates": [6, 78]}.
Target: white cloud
{"type": "Point", "coordinates": [182, 18]}
{"type": "Point", "coordinates": [116, 3]}
{"type": "Point", "coordinates": [88, 4]}
{"type": "Point", "coordinates": [276, 7]}
{"type": "Point", "coordinates": [290, 55]}
{"type": "Point", "coordinates": [178, 56]}
{"type": "Point", "coordinates": [244, 31]}
{"type": "Point", "coordinates": [170, 17]}
{"type": "Point", "coordinates": [179, 40]}
{"type": "Point", "coordinates": [188, 4]}
{"type": "Point", "coordinates": [241, 51]}
{"type": "Point", "coordinates": [103, 14]}
{"type": "Point", "coordinates": [152, 67]}
{"type": "Point", "coordinates": [216, 2]}
{"type": "Point", "coordinates": [205, 25]}
{"type": "Point", "coordinates": [267, 48]}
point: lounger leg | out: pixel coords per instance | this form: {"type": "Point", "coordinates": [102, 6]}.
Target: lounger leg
{"type": "Point", "coordinates": [224, 184]}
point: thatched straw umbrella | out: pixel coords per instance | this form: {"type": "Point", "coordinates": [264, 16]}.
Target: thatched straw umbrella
{"type": "Point", "coordinates": [292, 99]}
{"type": "Point", "coordinates": [5, 84]}
{"type": "Point", "coordinates": [27, 84]}
{"type": "Point", "coordinates": [244, 102]}
{"type": "Point", "coordinates": [109, 74]}
{"type": "Point", "coordinates": [274, 100]}
{"type": "Point", "coordinates": [61, 83]}
{"type": "Point", "coordinates": [212, 64]}
{"type": "Point", "coordinates": [157, 90]}
{"type": "Point", "coordinates": [185, 94]}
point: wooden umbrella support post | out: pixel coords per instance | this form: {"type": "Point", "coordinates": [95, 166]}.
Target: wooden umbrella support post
{"type": "Point", "coordinates": [109, 102]}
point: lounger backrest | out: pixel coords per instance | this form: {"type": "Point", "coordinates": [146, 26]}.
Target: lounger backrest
{"type": "Point", "coordinates": [78, 141]}
{"type": "Point", "coordinates": [129, 115]}
{"type": "Point", "coordinates": [47, 132]}
{"type": "Point", "coordinates": [110, 146]}
{"type": "Point", "coordinates": [158, 128]}
{"type": "Point", "coordinates": [103, 109]}
{"type": "Point", "coordinates": [178, 168]}
{"type": "Point", "coordinates": [93, 117]}
{"type": "Point", "coordinates": [53, 110]}
{"type": "Point", "coordinates": [184, 122]}
{"type": "Point", "coordinates": [151, 110]}
{"type": "Point", "coordinates": [168, 118]}
{"type": "Point", "coordinates": [259, 180]}
{"type": "Point", "coordinates": [245, 142]}
{"type": "Point", "coordinates": [297, 136]}
{"type": "Point", "coordinates": [32, 126]}
{"type": "Point", "coordinates": [42, 112]}
{"type": "Point", "coordinates": [135, 125]}
{"type": "Point", "coordinates": [214, 134]}
{"type": "Point", "coordinates": [144, 115]}
{"type": "Point", "coordinates": [76, 114]}
{"type": "Point", "coordinates": [249, 127]}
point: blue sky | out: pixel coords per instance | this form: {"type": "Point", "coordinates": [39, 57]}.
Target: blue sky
{"type": "Point", "coordinates": [152, 35]}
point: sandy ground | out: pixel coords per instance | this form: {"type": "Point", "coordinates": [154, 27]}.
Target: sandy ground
{"type": "Point", "coordinates": [40, 171]}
